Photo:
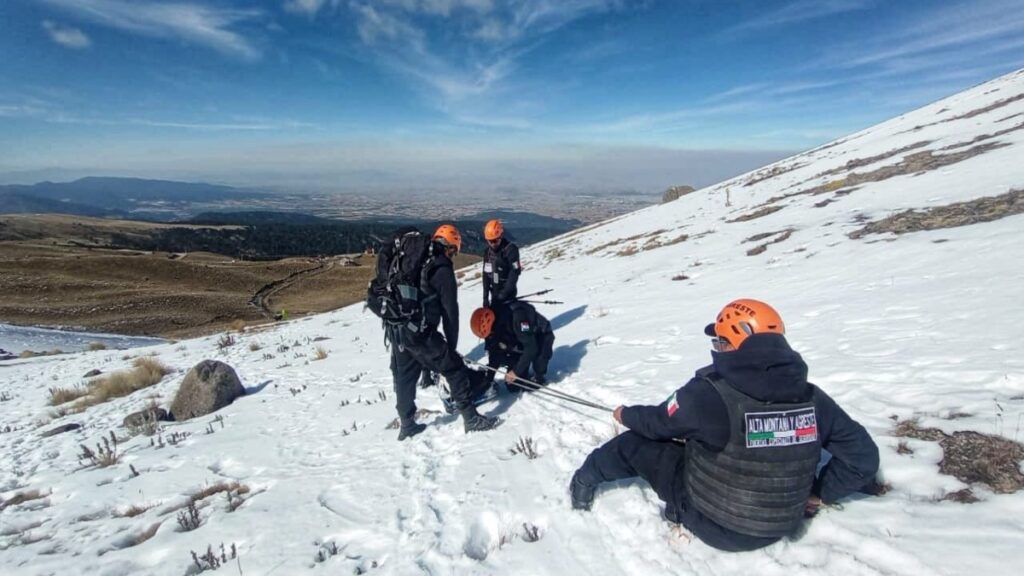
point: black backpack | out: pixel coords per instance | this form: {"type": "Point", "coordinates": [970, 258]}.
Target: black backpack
{"type": "Point", "coordinates": [394, 293]}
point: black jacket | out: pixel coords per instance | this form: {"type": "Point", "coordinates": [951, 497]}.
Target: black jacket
{"type": "Point", "coordinates": [767, 369]}
{"type": "Point", "coordinates": [501, 273]}
{"type": "Point", "coordinates": [519, 330]}
{"type": "Point", "coordinates": [440, 300]}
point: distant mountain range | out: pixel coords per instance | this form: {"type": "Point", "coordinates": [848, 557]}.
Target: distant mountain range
{"type": "Point", "coordinates": [107, 196]}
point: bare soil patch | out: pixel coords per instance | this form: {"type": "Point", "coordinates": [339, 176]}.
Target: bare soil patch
{"type": "Point", "coordinates": [760, 213]}
{"type": "Point", "coordinates": [985, 209]}
{"type": "Point", "coordinates": [916, 163]}
{"type": "Point", "coordinates": [973, 457]}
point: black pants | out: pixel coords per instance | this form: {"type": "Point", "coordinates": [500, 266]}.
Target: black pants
{"type": "Point", "coordinates": [629, 455]}
{"type": "Point", "coordinates": [411, 353]}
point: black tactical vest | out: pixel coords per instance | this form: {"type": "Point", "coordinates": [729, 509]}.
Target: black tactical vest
{"type": "Point", "coordinates": [759, 484]}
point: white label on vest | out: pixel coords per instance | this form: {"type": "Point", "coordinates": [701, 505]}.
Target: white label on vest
{"type": "Point", "coordinates": [497, 279]}
{"type": "Point", "coordinates": [488, 268]}
{"type": "Point", "coordinates": [790, 428]}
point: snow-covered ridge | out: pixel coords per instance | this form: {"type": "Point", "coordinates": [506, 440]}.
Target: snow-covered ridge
{"type": "Point", "coordinates": [921, 325]}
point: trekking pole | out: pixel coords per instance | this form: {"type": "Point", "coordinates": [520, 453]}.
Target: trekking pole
{"type": "Point", "coordinates": [534, 387]}
{"type": "Point", "coordinates": [541, 293]}
{"type": "Point", "coordinates": [542, 301]}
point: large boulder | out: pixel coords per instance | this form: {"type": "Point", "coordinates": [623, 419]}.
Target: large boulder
{"type": "Point", "coordinates": [675, 192]}
{"type": "Point", "coordinates": [208, 387]}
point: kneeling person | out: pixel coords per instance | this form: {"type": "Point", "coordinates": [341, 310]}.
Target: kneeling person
{"type": "Point", "coordinates": [516, 338]}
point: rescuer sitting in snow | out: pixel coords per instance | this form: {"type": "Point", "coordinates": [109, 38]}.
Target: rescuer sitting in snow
{"type": "Point", "coordinates": [734, 452]}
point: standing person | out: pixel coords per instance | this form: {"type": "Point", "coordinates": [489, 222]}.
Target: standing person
{"type": "Point", "coordinates": [753, 431]}
{"type": "Point", "coordinates": [516, 338]}
{"type": "Point", "coordinates": [501, 267]}
{"type": "Point", "coordinates": [417, 344]}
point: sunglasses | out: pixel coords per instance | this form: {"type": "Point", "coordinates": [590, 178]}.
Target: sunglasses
{"type": "Point", "coordinates": [721, 345]}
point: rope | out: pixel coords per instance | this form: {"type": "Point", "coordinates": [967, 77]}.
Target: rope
{"type": "Point", "coordinates": [534, 387]}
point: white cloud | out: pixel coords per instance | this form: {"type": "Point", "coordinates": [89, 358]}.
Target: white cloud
{"type": "Point", "coordinates": [193, 23]}
{"type": "Point", "coordinates": [799, 11]}
{"type": "Point", "coordinates": [66, 35]}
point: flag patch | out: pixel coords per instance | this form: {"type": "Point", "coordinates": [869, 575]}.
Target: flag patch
{"type": "Point", "coordinates": [524, 326]}
{"type": "Point", "coordinates": [789, 428]}
{"type": "Point", "coordinates": [673, 405]}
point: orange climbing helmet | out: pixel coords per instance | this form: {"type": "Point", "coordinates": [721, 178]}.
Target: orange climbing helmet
{"type": "Point", "coordinates": [449, 236]}
{"type": "Point", "coordinates": [481, 322]}
{"type": "Point", "coordinates": [493, 230]}
{"type": "Point", "coordinates": [745, 317]}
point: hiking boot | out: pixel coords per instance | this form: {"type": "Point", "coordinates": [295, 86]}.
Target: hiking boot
{"type": "Point", "coordinates": [410, 430]}
{"type": "Point", "coordinates": [477, 422]}
{"type": "Point", "coordinates": [582, 494]}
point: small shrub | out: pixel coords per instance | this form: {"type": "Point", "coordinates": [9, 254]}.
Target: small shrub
{"type": "Point", "coordinates": [531, 533]}
{"type": "Point", "coordinates": [210, 560]}
{"type": "Point", "coordinates": [904, 448]}
{"type": "Point", "coordinates": [255, 347]}
{"type": "Point", "coordinates": [225, 341]}
{"type": "Point", "coordinates": [965, 496]}
{"type": "Point", "coordinates": [680, 276]}
{"type": "Point", "coordinates": [320, 353]}
{"type": "Point", "coordinates": [525, 447]}
{"type": "Point", "coordinates": [5, 397]}
{"type": "Point", "coordinates": [60, 396]}
{"type": "Point", "coordinates": [189, 519]}
{"type": "Point", "coordinates": [96, 346]}
{"type": "Point", "coordinates": [105, 455]}
{"type": "Point", "coordinates": [628, 251]}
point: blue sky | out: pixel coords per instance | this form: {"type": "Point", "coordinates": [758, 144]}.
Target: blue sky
{"type": "Point", "coordinates": [456, 92]}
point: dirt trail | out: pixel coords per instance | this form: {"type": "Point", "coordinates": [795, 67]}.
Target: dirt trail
{"type": "Point", "coordinates": [261, 299]}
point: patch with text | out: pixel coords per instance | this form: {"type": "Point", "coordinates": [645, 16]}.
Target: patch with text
{"type": "Point", "coordinates": [789, 428]}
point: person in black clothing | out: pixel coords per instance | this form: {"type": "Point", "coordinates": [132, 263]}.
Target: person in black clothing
{"type": "Point", "coordinates": [501, 267]}
{"type": "Point", "coordinates": [753, 410]}
{"type": "Point", "coordinates": [423, 347]}
{"type": "Point", "coordinates": [516, 337]}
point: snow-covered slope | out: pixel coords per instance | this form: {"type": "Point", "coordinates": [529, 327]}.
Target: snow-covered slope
{"type": "Point", "coordinates": [926, 325]}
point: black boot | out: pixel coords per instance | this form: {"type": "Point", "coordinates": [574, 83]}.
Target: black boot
{"type": "Point", "coordinates": [475, 421]}
{"type": "Point", "coordinates": [582, 494]}
{"type": "Point", "coordinates": [409, 430]}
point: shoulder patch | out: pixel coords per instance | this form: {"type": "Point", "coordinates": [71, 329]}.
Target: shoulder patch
{"type": "Point", "coordinates": [775, 429]}
{"type": "Point", "coordinates": [673, 404]}
{"type": "Point", "coordinates": [524, 326]}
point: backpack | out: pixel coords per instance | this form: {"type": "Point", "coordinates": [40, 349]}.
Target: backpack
{"type": "Point", "coordinates": [394, 293]}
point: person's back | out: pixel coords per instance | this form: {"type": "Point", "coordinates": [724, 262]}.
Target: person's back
{"type": "Point", "coordinates": [754, 429]}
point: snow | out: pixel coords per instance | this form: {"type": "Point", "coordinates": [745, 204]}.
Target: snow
{"type": "Point", "coordinates": [925, 325]}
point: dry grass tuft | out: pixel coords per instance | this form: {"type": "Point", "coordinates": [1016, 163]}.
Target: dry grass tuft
{"type": "Point", "coordinates": [132, 511]}
{"type": "Point", "coordinates": [965, 496]}
{"type": "Point", "coordinates": [973, 457]}
{"type": "Point", "coordinates": [96, 346]}
{"type": "Point", "coordinates": [985, 209]}
{"type": "Point", "coordinates": [21, 498]}
{"type": "Point", "coordinates": [238, 325]}
{"type": "Point", "coordinates": [145, 373]}
{"type": "Point", "coordinates": [60, 396]}
{"type": "Point", "coordinates": [255, 347]}
{"type": "Point", "coordinates": [320, 353]}
{"type": "Point", "coordinates": [755, 214]}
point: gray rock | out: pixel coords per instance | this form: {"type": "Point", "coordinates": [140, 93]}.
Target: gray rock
{"type": "Point", "coordinates": [93, 372]}
{"type": "Point", "coordinates": [61, 429]}
{"type": "Point", "coordinates": [144, 417]}
{"type": "Point", "coordinates": [675, 192]}
{"type": "Point", "coordinates": [208, 387]}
